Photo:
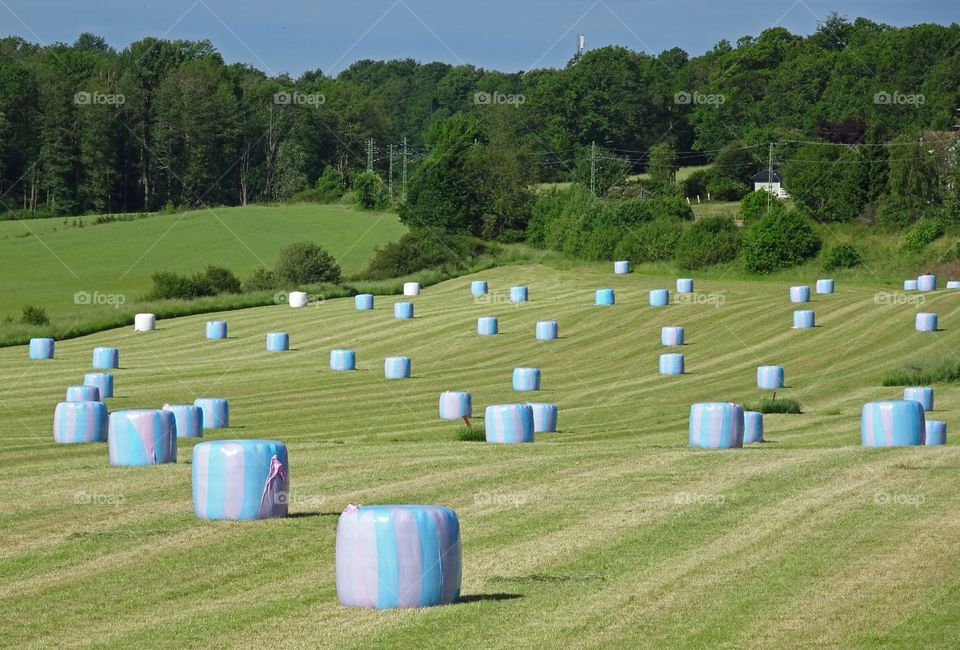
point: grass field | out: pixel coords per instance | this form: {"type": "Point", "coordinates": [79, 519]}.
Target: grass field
{"type": "Point", "coordinates": [610, 533]}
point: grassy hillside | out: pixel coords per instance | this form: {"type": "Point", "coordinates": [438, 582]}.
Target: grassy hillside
{"type": "Point", "coordinates": [610, 533]}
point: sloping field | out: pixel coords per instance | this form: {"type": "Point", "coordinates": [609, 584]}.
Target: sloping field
{"type": "Point", "coordinates": [610, 533]}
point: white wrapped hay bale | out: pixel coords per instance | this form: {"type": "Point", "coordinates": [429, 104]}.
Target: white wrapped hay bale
{"type": "Point", "coordinates": [927, 283]}
{"type": "Point", "coordinates": [106, 358]}
{"type": "Point", "coordinates": [343, 360]}
{"type": "Point", "coordinates": [83, 394]}
{"type": "Point", "coordinates": [144, 323]}
{"type": "Point", "coordinates": [605, 297]}
{"type": "Point", "coordinates": [478, 288]}
{"type": "Point", "coordinates": [216, 330]}
{"type": "Point", "coordinates": [297, 299]}
{"type": "Point", "coordinates": [80, 422]}
{"type": "Point", "coordinates": [892, 423]}
{"type": "Point", "coordinates": [526, 379]}
{"type": "Point", "coordinates": [936, 433]}
{"type": "Point", "coordinates": [518, 294]}
{"type": "Point", "coordinates": [396, 367]}
{"type": "Point", "coordinates": [278, 341]}
{"type": "Point", "coordinates": [403, 310]}
{"type": "Point", "coordinates": [804, 319]}
{"type": "Point", "coordinates": [187, 418]}
{"type": "Point", "coordinates": [411, 288]}
{"type": "Point", "coordinates": [825, 286]}
{"type": "Point", "coordinates": [752, 426]}
{"type": "Point", "coordinates": [953, 284]}
{"type": "Point", "coordinates": [102, 380]}
{"type": "Point", "coordinates": [716, 425]}
{"type": "Point", "coordinates": [922, 394]}
{"type": "Point", "coordinates": [216, 412]}
{"type": "Point", "coordinates": [684, 285]}
{"type": "Point", "coordinates": [240, 479]}
{"type": "Point", "coordinates": [41, 348]}
{"type": "Point", "coordinates": [363, 302]}
{"type": "Point", "coordinates": [800, 293]}
{"type": "Point", "coordinates": [926, 322]}
{"type": "Point", "coordinates": [671, 336]}
{"type": "Point", "coordinates": [508, 423]}
{"type": "Point", "coordinates": [770, 377]}
{"type": "Point", "coordinates": [671, 364]}
{"type": "Point", "coordinates": [544, 417]}
{"type": "Point", "coordinates": [621, 267]}
{"type": "Point", "coordinates": [659, 297]}
{"type": "Point", "coordinates": [455, 405]}
{"type": "Point", "coordinates": [546, 330]}
{"type": "Point", "coordinates": [910, 285]}
{"type": "Point", "coordinates": [142, 437]}
{"type": "Point", "coordinates": [487, 326]}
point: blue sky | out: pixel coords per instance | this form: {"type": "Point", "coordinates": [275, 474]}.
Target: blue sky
{"type": "Point", "coordinates": [296, 35]}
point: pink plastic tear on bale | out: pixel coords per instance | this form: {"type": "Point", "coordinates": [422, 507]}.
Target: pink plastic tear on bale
{"type": "Point", "coordinates": [80, 422]}
{"type": "Point", "coordinates": [41, 348]}
{"type": "Point", "coordinates": [926, 322]}
{"type": "Point", "coordinates": [240, 479]}
{"type": "Point", "coordinates": [142, 437]}
{"type": "Point", "coordinates": [936, 433]}
{"type": "Point", "coordinates": [671, 336]}
{"type": "Point", "coordinates": [83, 394]}
{"type": "Point", "coordinates": [752, 426]}
{"type": "Point", "coordinates": [716, 425]}
{"type": "Point", "coordinates": [102, 380]}
{"type": "Point", "coordinates": [455, 405]}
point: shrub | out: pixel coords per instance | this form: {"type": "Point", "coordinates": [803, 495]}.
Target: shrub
{"type": "Point", "coordinates": [650, 242]}
{"type": "Point", "coordinates": [33, 315]}
{"type": "Point", "coordinates": [426, 249]}
{"type": "Point", "coordinates": [261, 280]}
{"type": "Point", "coordinates": [924, 232]}
{"type": "Point", "coordinates": [172, 286]}
{"type": "Point", "coordinates": [841, 256]}
{"type": "Point", "coordinates": [722, 188]}
{"type": "Point", "coordinates": [754, 205]}
{"type": "Point", "coordinates": [671, 207]}
{"type": "Point", "coordinates": [696, 183]}
{"type": "Point", "coordinates": [222, 280]}
{"type": "Point", "coordinates": [778, 241]}
{"type": "Point", "coordinates": [548, 208]}
{"type": "Point", "coordinates": [304, 262]}
{"type": "Point", "coordinates": [369, 190]}
{"type": "Point", "coordinates": [709, 241]}
{"type": "Point", "coordinates": [471, 434]}
{"type": "Point", "coordinates": [773, 405]}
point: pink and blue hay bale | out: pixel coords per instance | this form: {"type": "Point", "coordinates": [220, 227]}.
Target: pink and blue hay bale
{"type": "Point", "coordinates": [825, 286]}
{"type": "Point", "coordinates": [508, 423]}
{"type": "Point", "coordinates": [659, 297]}
{"type": "Point", "coordinates": [411, 288]}
{"type": "Point", "coordinates": [716, 425]}
{"type": "Point", "coordinates": [671, 364]}
{"type": "Point", "coordinates": [770, 377]}
{"type": "Point", "coordinates": [343, 360]}
{"type": "Point", "coordinates": [935, 433]}
{"type": "Point", "coordinates": [41, 348]}
{"type": "Point", "coordinates": [546, 330]}
{"type": "Point", "coordinates": [605, 297]}
{"type": "Point", "coordinates": [278, 341]}
{"type": "Point", "coordinates": [106, 358]}
{"type": "Point", "coordinates": [526, 379]}
{"type": "Point", "coordinates": [621, 267]}
{"type": "Point", "coordinates": [804, 319]}
{"type": "Point", "coordinates": [403, 310]}
{"type": "Point", "coordinates": [396, 367]}
{"type": "Point", "coordinates": [102, 380]}
{"type": "Point", "coordinates": [240, 479]}
{"type": "Point", "coordinates": [752, 426]}
{"type": "Point", "coordinates": [926, 322]}
{"type": "Point", "coordinates": [519, 294]}
{"type": "Point", "coordinates": [893, 423]}
{"type": "Point", "coordinates": [953, 284]}
{"type": "Point", "coordinates": [487, 326]}
{"type": "Point", "coordinates": [83, 393]}
{"type": "Point", "coordinates": [922, 394]}
{"type": "Point", "coordinates": [684, 285]}
{"type": "Point", "coordinates": [216, 412]}
{"type": "Point", "coordinates": [544, 417]}
{"type": "Point", "coordinates": [910, 285]}
{"type": "Point", "coordinates": [216, 330]}
{"type": "Point", "coordinates": [363, 301]}
{"type": "Point", "coordinates": [398, 556]}
{"type": "Point", "coordinates": [142, 437]}
{"type": "Point", "coordinates": [80, 422]}
{"type": "Point", "coordinates": [927, 283]}
{"type": "Point", "coordinates": [478, 288]}
{"type": "Point", "coordinates": [800, 293]}
{"type": "Point", "coordinates": [188, 419]}
{"type": "Point", "coordinates": [455, 405]}
{"type": "Point", "coordinates": [671, 336]}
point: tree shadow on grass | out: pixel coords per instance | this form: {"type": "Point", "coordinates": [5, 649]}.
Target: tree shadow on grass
{"type": "Point", "coordinates": [479, 598]}
{"type": "Point", "coordinates": [311, 513]}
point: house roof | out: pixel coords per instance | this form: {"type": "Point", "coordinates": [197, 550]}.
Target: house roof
{"type": "Point", "coordinates": [761, 177]}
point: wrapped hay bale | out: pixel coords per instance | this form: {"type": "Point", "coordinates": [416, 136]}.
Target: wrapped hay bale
{"type": "Point", "coordinates": [926, 322]}
{"type": "Point", "coordinates": [671, 336]}
{"type": "Point", "coordinates": [544, 417]}
{"type": "Point", "coordinates": [102, 380]}
{"type": "Point", "coordinates": [684, 285]}
{"type": "Point", "coordinates": [487, 326]}
{"type": "Point", "coordinates": [278, 341]}
{"type": "Point", "coordinates": [455, 405]}
{"type": "Point", "coordinates": [41, 348]}
{"type": "Point", "coordinates": [144, 323]}
{"type": "Point", "coordinates": [604, 297]}
{"type": "Point", "coordinates": [398, 556]}
{"type": "Point", "coordinates": [297, 299]}
{"type": "Point", "coordinates": [106, 358]}
{"type": "Point", "coordinates": [927, 283]}
{"type": "Point", "coordinates": [546, 330]}
{"type": "Point", "coordinates": [800, 293]}
{"type": "Point", "coordinates": [953, 284]}
{"type": "Point", "coordinates": [216, 329]}
{"type": "Point", "coordinates": [804, 319]}
{"type": "Point", "coordinates": [518, 294]}
{"type": "Point", "coordinates": [621, 267]}
{"type": "Point", "coordinates": [526, 379]}
{"type": "Point", "coordinates": [142, 437]}
{"type": "Point", "coordinates": [922, 394]}
{"type": "Point", "coordinates": [935, 433]}
{"type": "Point", "coordinates": [240, 479]}
{"type": "Point", "coordinates": [80, 422]}
{"type": "Point", "coordinates": [411, 288]}
{"type": "Point", "coordinates": [910, 285]}
{"type": "Point", "coordinates": [343, 360]}
{"type": "Point", "coordinates": [716, 425]}
{"type": "Point", "coordinates": [659, 297]}
{"type": "Point", "coordinates": [403, 310]}
{"type": "Point", "coordinates": [892, 423]}
{"type": "Point", "coordinates": [508, 423]}
{"type": "Point", "coordinates": [671, 364]}
{"type": "Point", "coordinates": [187, 418]}
{"type": "Point", "coordinates": [216, 412]}
{"type": "Point", "coordinates": [363, 301]}
{"type": "Point", "coordinates": [825, 286]}
{"type": "Point", "coordinates": [396, 367]}
{"type": "Point", "coordinates": [752, 426]}
{"type": "Point", "coordinates": [478, 288]}
{"type": "Point", "coordinates": [83, 394]}
{"type": "Point", "coordinates": [770, 377]}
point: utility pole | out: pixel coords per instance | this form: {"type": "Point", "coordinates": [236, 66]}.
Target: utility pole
{"type": "Point", "coordinates": [403, 193]}
{"type": "Point", "coordinates": [390, 178]}
{"type": "Point", "coordinates": [370, 155]}
{"type": "Point", "coordinates": [593, 167]}
{"type": "Point", "coordinates": [770, 179]}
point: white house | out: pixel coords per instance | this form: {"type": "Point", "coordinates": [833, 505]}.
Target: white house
{"type": "Point", "coordinates": [772, 184]}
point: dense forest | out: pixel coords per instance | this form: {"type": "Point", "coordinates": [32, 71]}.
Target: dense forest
{"type": "Point", "coordinates": [858, 117]}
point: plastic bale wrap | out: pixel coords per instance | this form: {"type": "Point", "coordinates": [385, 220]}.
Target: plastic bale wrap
{"type": "Point", "coordinates": [216, 330]}
{"type": "Point", "coordinates": [144, 323]}
{"type": "Point", "coordinates": [518, 294]}
{"type": "Point", "coordinates": [403, 310]}
{"type": "Point", "coordinates": [526, 379]}
{"type": "Point", "coordinates": [343, 360]}
{"type": "Point", "coordinates": [684, 285]}
{"type": "Point", "coordinates": [671, 364]}
{"type": "Point", "coordinates": [297, 299]}
{"type": "Point", "coordinates": [106, 358]}
{"type": "Point", "coordinates": [671, 336]}
{"type": "Point", "coordinates": [910, 285]}
{"type": "Point", "coordinates": [508, 423]}
{"type": "Point", "coordinates": [752, 426]}
{"type": "Point", "coordinates": [605, 297]}
{"type": "Point", "coordinates": [396, 367]}
{"type": "Point", "coordinates": [716, 425]}
{"type": "Point", "coordinates": [935, 433]}
{"type": "Point", "coordinates": [398, 556]}
{"type": "Point", "coordinates": [922, 394]}
{"type": "Point", "coordinates": [659, 297]}
{"type": "Point", "coordinates": [487, 326]}
{"type": "Point", "coordinates": [142, 437]}
{"type": "Point", "coordinates": [478, 288]}
{"type": "Point", "coordinates": [621, 267]}
{"type": "Point", "coordinates": [804, 319]}
{"type": "Point", "coordinates": [927, 283]}
{"type": "Point", "coordinates": [892, 423]}
{"type": "Point", "coordinates": [278, 342]}
{"type": "Point", "coordinates": [770, 377]}
{"type": "Point", "coordinates": [547, 330]}
{"type": "Point", "coordinates": [41, 348]}
{"type": "Point", "coordinates": [240, 479]}
{"type": "Point", "coordinates": [80, 422]}
{"type": "Point", "coordinates": [825, 286]}
{"type": "Point", "coordinates": [926, 322]}
{"type": "Point", "coordinates": [800, 293]}
{"type": "Point", "coordinates": [411, 288]}
{"type": "Point", "coordinates": [216, 412]}
{"type": "Point", "coordinates": [83, 393]}
{"type": "Point", "coordinates": [188, 419]}
{"type": "Point", "coordinates": [544, 417]}
{"type": "Point", "coordinates": [102, 380]}
{"type": "Point", "coordinates": [363, 301]}
{"type": "Point", "coordinates": [953, 284]}
{"type": "Point", "coordinates": [455, 405]}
